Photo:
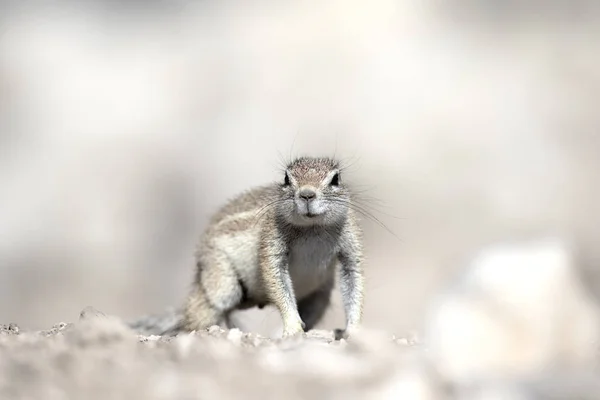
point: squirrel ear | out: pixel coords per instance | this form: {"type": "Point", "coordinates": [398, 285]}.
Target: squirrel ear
{"type": "Point", "coordinates": [335, 180]}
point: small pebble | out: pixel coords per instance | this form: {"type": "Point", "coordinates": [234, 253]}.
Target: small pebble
{"type": "Point", "coordinates": [235, 336]}
{"type": "Point", "coordinates": [215, 329]}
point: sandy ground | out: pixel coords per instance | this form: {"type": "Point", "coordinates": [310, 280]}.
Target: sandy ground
{"type": "Point", "coordinates": [99, 357]}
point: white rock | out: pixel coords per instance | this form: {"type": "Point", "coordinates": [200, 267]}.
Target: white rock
{"type": "Point", "coordinates": [516, 310]}
{"type": "Point", "coordinates": [235, 336]}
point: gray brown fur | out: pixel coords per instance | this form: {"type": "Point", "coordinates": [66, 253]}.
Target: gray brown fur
{"type": "Point", "coordinates": [270, 245]}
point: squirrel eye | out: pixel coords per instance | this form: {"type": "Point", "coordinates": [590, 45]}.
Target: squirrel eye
{"type": "Point", "coordinates": [286, 181]}
{"type": "Point", "coordinates": [335, 181]}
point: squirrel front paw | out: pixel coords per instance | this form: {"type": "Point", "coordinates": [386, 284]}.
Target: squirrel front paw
{"type": "Point", "coordinates": [293, 328]}
{"type": "Point", "coordinates": [344, 333]}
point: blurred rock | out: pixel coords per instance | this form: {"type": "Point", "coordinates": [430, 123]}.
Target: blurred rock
{"type": "Point", "coordinates": [518, 310]}
{"type": "Point", "coordinates": [90, 312]}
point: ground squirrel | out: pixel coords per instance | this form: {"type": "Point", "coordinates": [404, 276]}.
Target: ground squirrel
{"type": "Point", "coordinates": [279, 244]}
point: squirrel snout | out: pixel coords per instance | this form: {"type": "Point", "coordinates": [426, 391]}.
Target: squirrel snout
{"type": "Point", "coordinates": [307, 193]}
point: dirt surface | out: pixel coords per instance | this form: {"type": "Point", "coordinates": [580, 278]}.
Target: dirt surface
{"type": "Point", "coordinates": [99, 357]}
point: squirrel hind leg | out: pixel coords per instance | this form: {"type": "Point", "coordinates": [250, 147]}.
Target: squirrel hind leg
{"type": "Point", "coordinates": [221, 284]}
{"type": "Point", "coordinates": [217, 292]}
{"type": "Point", "coordinates": [199, 313]}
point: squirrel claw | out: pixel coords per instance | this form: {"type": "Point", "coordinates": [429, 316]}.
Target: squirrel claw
{"type": "Point", "coordinates": [344, 333]}
{"type": "Point", "coordinates": [340, 334]}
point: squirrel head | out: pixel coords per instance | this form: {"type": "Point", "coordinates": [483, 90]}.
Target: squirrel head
{"type": "Point", "coordinates": [313, 192]}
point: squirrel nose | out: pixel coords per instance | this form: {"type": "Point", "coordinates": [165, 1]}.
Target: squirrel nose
{"type": "Point", "coordinates": [307, 193]}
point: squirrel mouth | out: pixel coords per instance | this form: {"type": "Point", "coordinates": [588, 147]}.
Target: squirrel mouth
{"type": "Point", "coordinates": [312, 214]}
{"type": "Point", "coordinates": [309, 211]}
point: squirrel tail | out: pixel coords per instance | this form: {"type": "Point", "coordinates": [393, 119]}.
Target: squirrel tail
{"type": "Point", "coordinates": [167, 323]}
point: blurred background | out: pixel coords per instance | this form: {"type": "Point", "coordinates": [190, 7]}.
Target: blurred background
{"type": "Point", "coordinates": [125, 124]}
